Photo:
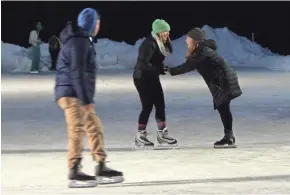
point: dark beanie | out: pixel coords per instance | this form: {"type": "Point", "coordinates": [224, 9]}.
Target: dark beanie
{"type": "Point", "coordinates": [87, 20]}
{"type": "Point", "coordinates": [197, 34]}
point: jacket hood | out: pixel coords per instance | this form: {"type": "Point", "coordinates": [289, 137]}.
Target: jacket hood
{"type": "Point", "coordinates": [210, 43]}
{"type": "Point", "coordinates": [71, 31]}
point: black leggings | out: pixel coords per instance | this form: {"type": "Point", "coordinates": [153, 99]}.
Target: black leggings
{"type": "Point", "coordinates": [151, 94]}
{"type": "Point", "coordinates": [226, 116]}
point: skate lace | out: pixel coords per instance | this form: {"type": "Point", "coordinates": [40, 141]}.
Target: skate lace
{"type": "Point", "coordinates": [168, 137]}
{"type": "Point", "coordinates": [79, 169]}
{"type": "Point", "coordinates": [143, 134]}
{"type": "Point", "coordinates": [165, 135]}
{"type": "Point", "coordinates": [106, 167]}
{"type": "Point", "coordinates": [228, 138]}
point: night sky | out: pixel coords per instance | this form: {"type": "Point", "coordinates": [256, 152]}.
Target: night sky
{"type": "Point", "coordinates": [129, 21]}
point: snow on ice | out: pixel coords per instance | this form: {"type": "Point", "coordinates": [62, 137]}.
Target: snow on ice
{"type": "Point", "coordinates": [238, 51]}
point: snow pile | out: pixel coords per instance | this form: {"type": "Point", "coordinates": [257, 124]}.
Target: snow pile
{"type": "Point", "coordinates": [18, 59]}
{"type": "Point", "coordinates": [238, 51]}
{"type": "Point", "coordinates": [115, 54]}
{"type": "Point", "coordinates": [241, 52]}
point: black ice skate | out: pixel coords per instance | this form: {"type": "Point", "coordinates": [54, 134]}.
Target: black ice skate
{"type": "Point", "coordinates": [142, 141]}
{"type": "Point", "coordinates": [226, 142]}
{"type": "Point", "coordinates": [106, 175]}
{"type": "Point", "coordinates": [78, 179]}
{"type": "Point", "coordinates": [164, 139]}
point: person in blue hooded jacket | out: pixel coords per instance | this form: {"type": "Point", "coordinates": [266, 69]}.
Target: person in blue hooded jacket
{"type": "Point", "coordinates": [74, 90]}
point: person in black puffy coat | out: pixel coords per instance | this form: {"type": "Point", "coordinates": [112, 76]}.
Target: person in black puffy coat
{"type": "Point", "coordinates": [74, 92]}
{"type": "Point", "coordinates": [54, 46]}
{"type": "Point", "coordinates": [149, 66]}
{"type": "Point", "coordinates": [219, 76]}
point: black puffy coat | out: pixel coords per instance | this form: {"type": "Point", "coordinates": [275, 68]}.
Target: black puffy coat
{"type": "Point", "coordinates": [219, 76]}
{"type": "Point", "coordinates": [150, 59]}
{"type": "Point", "coordinates": [54, 44]}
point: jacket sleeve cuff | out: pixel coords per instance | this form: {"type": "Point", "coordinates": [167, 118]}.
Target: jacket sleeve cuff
{"type": "Point", "coordinates": [85, 101]}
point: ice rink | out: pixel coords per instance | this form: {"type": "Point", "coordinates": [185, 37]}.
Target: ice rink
{"type": "Point", "coordinates": [34, 137]}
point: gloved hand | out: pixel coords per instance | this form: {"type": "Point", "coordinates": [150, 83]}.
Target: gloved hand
{"type": "Point", "coordinates": [165, 70]}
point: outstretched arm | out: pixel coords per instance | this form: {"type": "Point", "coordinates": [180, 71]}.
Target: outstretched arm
{"type": "Point", "coordinates": [190, 64]}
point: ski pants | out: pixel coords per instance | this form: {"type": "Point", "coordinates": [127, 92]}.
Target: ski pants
{"type": "Point", "coordinates": [35, 58]}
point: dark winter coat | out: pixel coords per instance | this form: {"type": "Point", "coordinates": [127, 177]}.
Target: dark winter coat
{"type": "Point", "coordinates": [54, 44]}
{"type": "Point", "coordinates": [150, 59]}
{"type": "Point", "coordinates": [76, 66]}
{"type": "Point", "coordinates": [219, 76]}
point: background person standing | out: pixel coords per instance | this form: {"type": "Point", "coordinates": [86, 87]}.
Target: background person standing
{"type": "Point", "coordinates": [35, 43]}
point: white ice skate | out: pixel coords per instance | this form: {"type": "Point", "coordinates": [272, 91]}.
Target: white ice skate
{"type": "Point", "coordinates": [142, 142]}
{"type": "Point", "coordinates": [165, 141]}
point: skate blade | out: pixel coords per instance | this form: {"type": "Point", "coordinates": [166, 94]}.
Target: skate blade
{"type": "Point", "coordinates": [109, 180]}
{"type": "Point", "coordinates": [82, 184]}
{"type": "Point", "coordinates": [166, 147]}
{"type": "Point", "coordinates": [141, 147]}
{"type": "Point", "coordinates": [225, 146]}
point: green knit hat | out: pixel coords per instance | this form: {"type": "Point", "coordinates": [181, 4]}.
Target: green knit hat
{"type": "Point", "coordinates": [159, 26]}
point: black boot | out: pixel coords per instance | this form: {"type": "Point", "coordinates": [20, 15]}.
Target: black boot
{"type": "Point", "coordinates": [106, 175]}
{"type": "Point", "coordinates": [228, 141]}
{"type": "Point", "coordinates": [78, 179]}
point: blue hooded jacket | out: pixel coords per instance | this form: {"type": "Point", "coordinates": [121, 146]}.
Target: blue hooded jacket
{"type": "Point", "coordinates": [76, 66]}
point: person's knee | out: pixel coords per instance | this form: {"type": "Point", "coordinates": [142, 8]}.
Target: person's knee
{"type": "Point", "coordinates": [223, 108]}
{"type": "Point", "coordinates": [147, 108]}
{"type": "Point", "coordinates": [92, 123]}
{"type": "Point", "coordinates": [159, 104]}
{"type": "Point", "coordinates": [98, 123]}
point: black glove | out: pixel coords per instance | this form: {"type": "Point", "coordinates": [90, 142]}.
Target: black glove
{"type": "Point", "coordinates": [165, 70]}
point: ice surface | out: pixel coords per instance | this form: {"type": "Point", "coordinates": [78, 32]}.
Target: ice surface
{"type": "Point", "coordinates": [34, 138]}
{"type": "Point", "coordinates": [240, 171]}
{"type": "Point", "coordinates": [238, 51]}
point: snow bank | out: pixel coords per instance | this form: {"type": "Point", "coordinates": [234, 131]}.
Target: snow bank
{"type": "Point", "coordinates": [18, 59]}
{"type": "Point", "coordinates": [238, 51]}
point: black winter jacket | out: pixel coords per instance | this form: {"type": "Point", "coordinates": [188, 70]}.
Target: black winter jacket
{"type": "Point", "coordinates": [54, 44]}
{"type": "Point", "coordinates": [76, 66]}
{"type": "Point", "coordinates": [150, 59]}
{"type": "Point", "coordinates": [219, 76]}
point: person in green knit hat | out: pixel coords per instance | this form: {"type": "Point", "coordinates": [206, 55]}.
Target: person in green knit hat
{"type": "Point", "coordinates": [35, 42]}
{"type": "Point", "coordinates": [149, 66]}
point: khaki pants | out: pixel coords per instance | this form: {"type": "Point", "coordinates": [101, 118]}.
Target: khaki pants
{"type": "Point", "coordinates": [80, 122]}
